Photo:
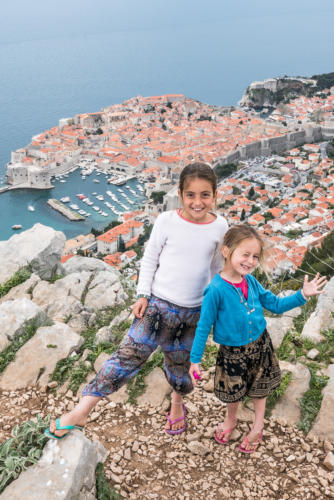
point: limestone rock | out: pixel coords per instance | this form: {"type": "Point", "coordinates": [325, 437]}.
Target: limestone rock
{"type": "Point", "coordinates": [120, 396]}
{"type": "Point", "coordinates": [323, 425]}
{"type": "Point", "coordinates": [288, 405]}
{"type": "Point", "coordinates": [37, 359]}
{"type": "Point", "coordinates": [66, 470]}
{"type": "Point", "coordinates": [100, 361]}
{"type": "Point", "coordinates": [321, 318]}
{"type": "Point", "coordinates": [329, 461]}
{"type": "Point", "coordinates": [209, 386]}
{"type": "Point", "coordinates": [40, 247]}
{"type": "Point", "coordinates": [62, 299]}
{"type": "Point", "coordinates": [105, 290]}
{"type": "Point", "coordinates": [104, 334]}
{"type": "Point", "coordinates": [198, 448]}
{"type": "Point", "coordinates": [156, 390]}
{"type": "Point", "coordinates": [23, 290]}
{"type": "Point", "coordinates": [312, 353]}
{"type": "Point", "coordinates": [78, 264]}
{"type": "Point", "coordinates": [77, 322]}
{"type": "Point", "coordinates": [14, 316]}
{"type": "Point", "coordinates": [124, 315]}
{"type": "Point", "coordinates": [277, 328]}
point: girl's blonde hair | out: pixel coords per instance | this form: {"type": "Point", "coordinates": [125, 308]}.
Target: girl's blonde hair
{"type": "Point", "coordinates": [237, 234]}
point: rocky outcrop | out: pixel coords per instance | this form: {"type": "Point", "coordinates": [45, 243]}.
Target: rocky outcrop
{"type": "Point", "coordinates": [15, 315]}
{"type": "Point", "coordinates": [62, 299]}
{"type": "Point", "coordinates": [272, 91]}
{"type": "Point", "coordinates": [40, 247]}
{"type": "Point", "coordinates": [322, 317]}
{"type": "Point", "coordinates": [23, 290]}
{"type": "Point", "coordinates": [323, 425]}
{"type": "Point", "coordinates": [288, 405]}
{"type": "Point", "coordinates": [37, 359]}
{"type": "Point", "coordinates": [277, 328]}
{"type": "Point", "coordinates": [66, 470]}
{"type": "Point", "coordinates": [157, 388]}
{"type": "Point", "coordinates": [78, 264]}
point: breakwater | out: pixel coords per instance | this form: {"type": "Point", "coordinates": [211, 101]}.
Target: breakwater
{"type": "Point", "coordinates": [61, 208]}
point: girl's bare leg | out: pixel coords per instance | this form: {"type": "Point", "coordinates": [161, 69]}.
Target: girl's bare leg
{"type": "Point", "coordinates": [176, 411]}
{"type": "Point", "coordinates": [78, 416]}
{"type": "Point", "coordinates": [229, 421]}
{"type": "Point", "coordinates": [255, 432]}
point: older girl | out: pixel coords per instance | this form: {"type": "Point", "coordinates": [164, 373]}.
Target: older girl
{"type": "Point", "coordinates": [182, 253]}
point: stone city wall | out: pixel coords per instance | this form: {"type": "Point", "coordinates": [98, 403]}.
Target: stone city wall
{"type": "Point", "coordinates": [266, 147]}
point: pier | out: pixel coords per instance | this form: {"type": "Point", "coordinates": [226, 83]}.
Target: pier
{"type": "Point", "coordinates": [61, 208]}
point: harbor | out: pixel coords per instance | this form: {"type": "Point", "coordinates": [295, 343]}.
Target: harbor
{"type": "Point", "coordinates": [99, 203]}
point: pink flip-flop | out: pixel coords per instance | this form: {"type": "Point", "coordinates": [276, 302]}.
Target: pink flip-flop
{"type": "Point", "coordinates": [227, 431]}
{"type": "Point", "coordinates": [172, 422]}
{"type": "Point", "coordinates": [253, 444]}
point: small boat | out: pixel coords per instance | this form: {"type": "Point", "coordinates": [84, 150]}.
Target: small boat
{"type": "Point", "coordinates": [96, 180]}
{"type": "Point", "coordinates": [31, 208]}
{"type": "Point", "coordinates": [17, 226]}
{"type": "Point", "coordinates": [65, 199]}
{"type": "Point", "coordinates": [62, 180]}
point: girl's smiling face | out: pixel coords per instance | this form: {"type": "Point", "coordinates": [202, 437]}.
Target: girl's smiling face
{"type": "Point", "coordinates": [244, 259]}
{"type": "Point", "coordinates": [198, 200]}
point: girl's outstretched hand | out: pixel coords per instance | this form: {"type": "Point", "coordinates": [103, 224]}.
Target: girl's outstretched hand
{"type": "Point", "coordinates": [314, 287]}
{"type": "Point", "coordinates": [139, 307]}
{"type": "Point", "coordinates": [195, 372]}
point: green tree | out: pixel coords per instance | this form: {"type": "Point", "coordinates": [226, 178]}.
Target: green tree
{"type": "Point", "coordinates": [268, 216]}
{"type": "Point", "coordinates": [236, 190]}
{"type": "Point", "coordinates": [121, 245]}
{"type": "Point", "coordinates": [251, 193]}
{"type": "Point", "coordinates": [158, 196]}
{"type": "Point", "coordinates": [243, 214]}
{"type": "Point", "coordinates": [222, 171]}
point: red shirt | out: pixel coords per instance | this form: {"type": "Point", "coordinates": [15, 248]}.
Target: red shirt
{"type": "Point", "coordinates": [242, 285]}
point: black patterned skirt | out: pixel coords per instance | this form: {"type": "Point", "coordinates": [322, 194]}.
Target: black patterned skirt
{"type": "Point", "coordinates": [248, 370]}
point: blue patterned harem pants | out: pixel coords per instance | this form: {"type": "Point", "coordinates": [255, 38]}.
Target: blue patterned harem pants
{"type": "Point", "coordinates": [164, 324]}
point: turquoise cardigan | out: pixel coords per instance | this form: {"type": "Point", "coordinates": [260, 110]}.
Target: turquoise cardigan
{"type": "Point", "coordinates": [233, 323]}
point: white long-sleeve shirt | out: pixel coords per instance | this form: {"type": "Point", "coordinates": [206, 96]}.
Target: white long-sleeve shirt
{"type": "Point", "coordinates": [180, 258]}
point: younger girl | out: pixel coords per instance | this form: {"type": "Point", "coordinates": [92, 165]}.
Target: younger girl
{"type": "Point", "coordinates": [246, 362]}
{"type": "Point", "coordinates": [180, 257]}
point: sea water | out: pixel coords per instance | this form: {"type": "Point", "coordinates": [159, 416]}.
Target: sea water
{"type": "Point", "coordinates": [14, 204]}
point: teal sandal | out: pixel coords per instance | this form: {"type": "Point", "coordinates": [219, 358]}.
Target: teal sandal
{"type": "Point", "coordinates": [59, 427]}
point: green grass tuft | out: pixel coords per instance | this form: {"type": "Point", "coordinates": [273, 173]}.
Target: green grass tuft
{"type": "Point", "coordinates": [136, 386]}
{"type": "Point", "coordinates": [103, 490]}
{"type": "Point", "coordinates": [311, 401]}
{"type": "Point", "coordinates": [22, 450]}
{"type": "Point", "coordinates": [294, 346]}
{"type": "Point", "coordinates": [19, 277]}
{"type": "Point", "coordinates": [306, 312]}
{"type": "Point", "coordinates": [8, 354]}
{"type": "Point", "coordinates": [277, 393]}
{"type": "Point", "coordinates": [209, 356]}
